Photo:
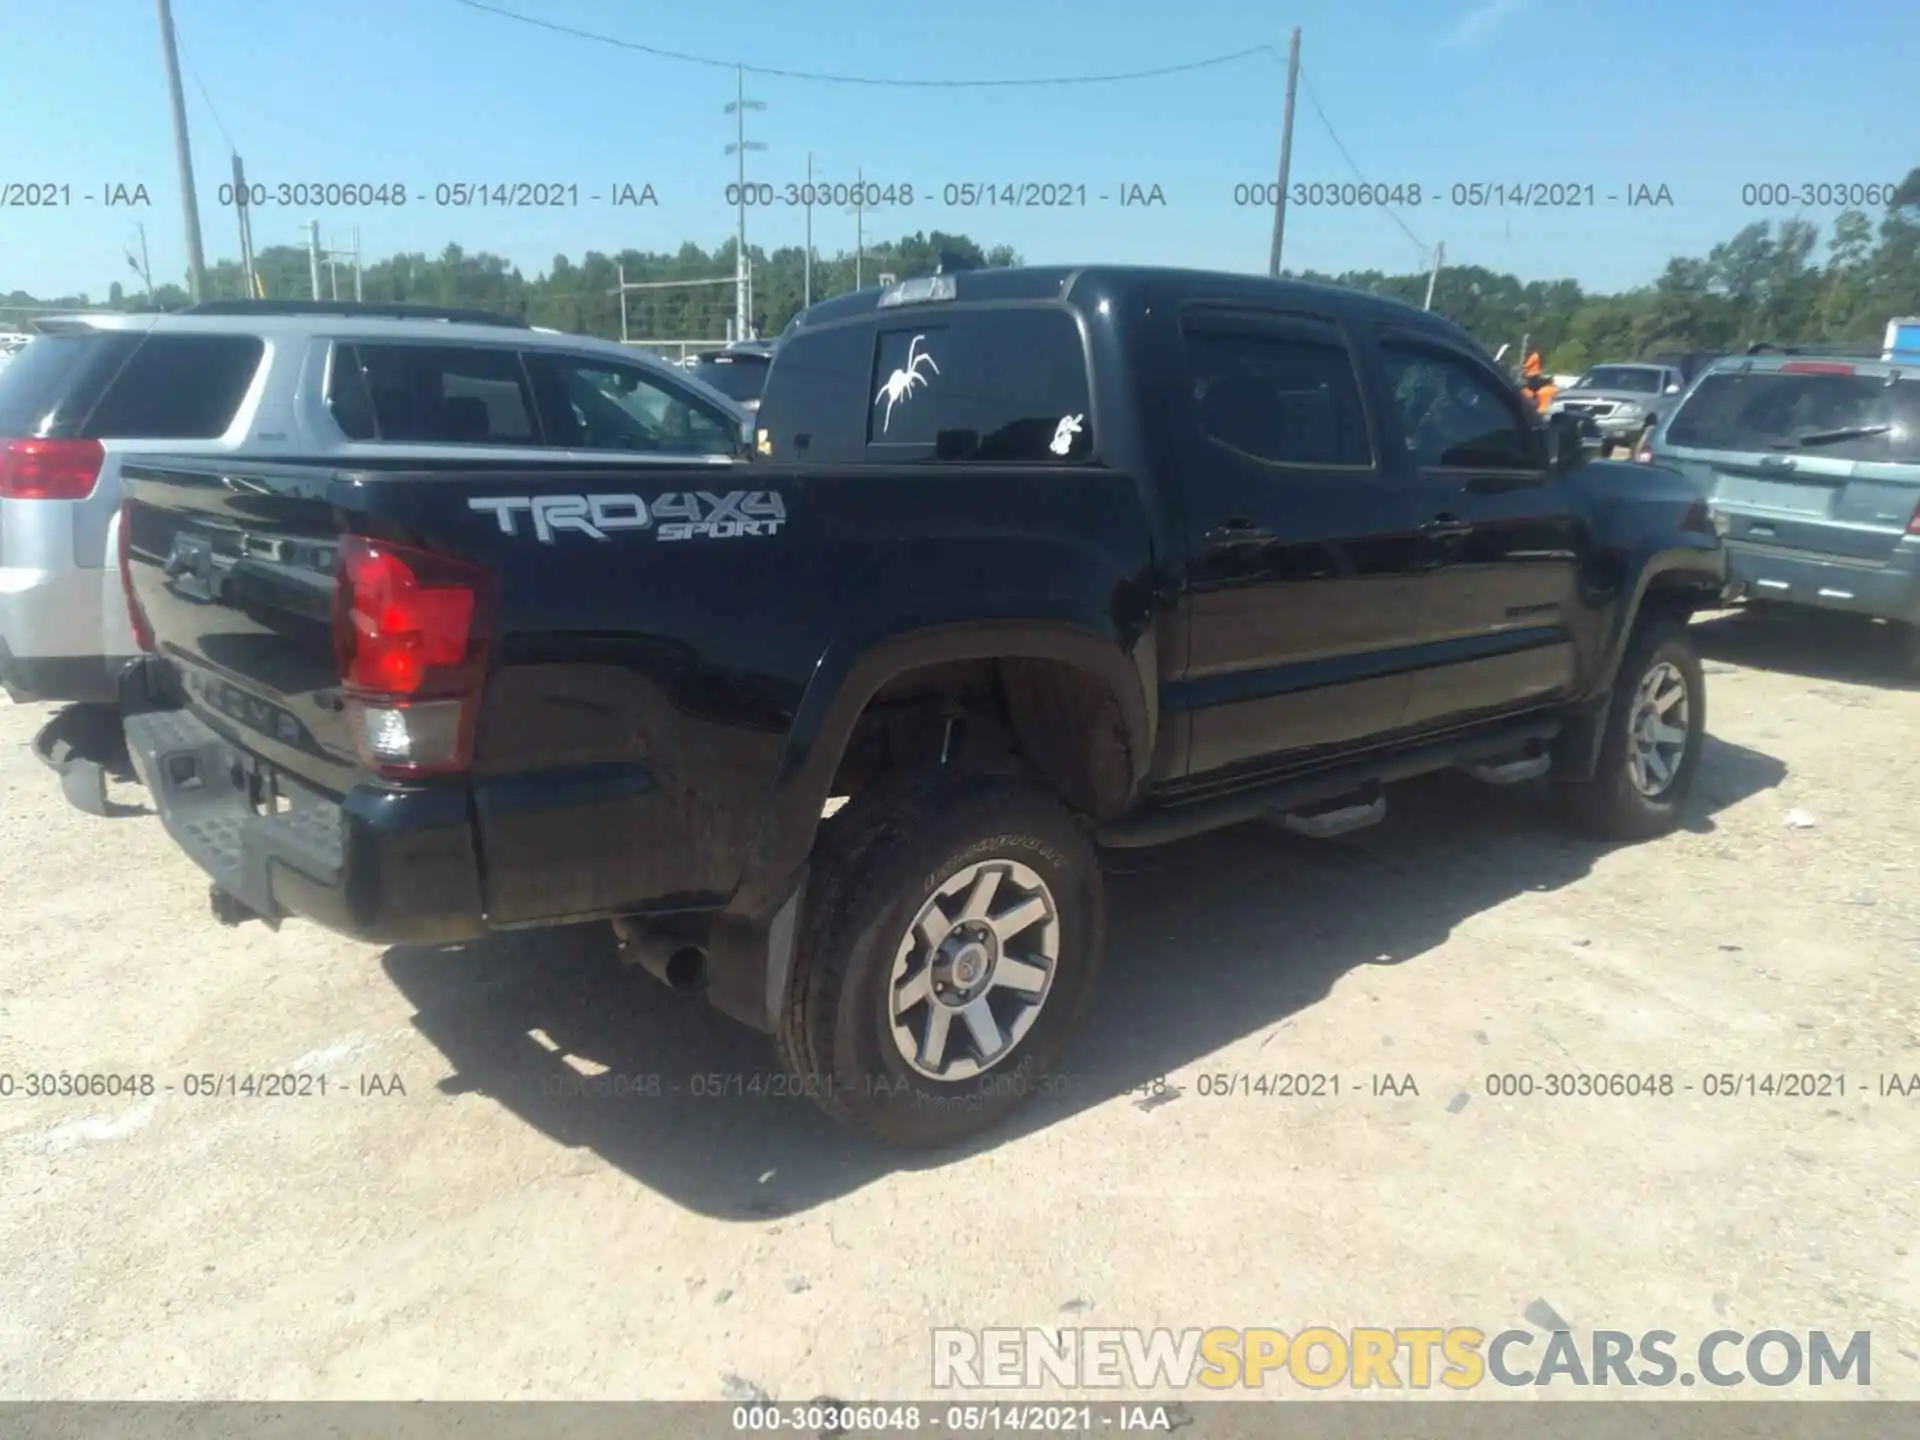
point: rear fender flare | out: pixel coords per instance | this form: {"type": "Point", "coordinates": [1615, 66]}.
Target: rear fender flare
{"type": "Point", "coordinates": [858, 664]}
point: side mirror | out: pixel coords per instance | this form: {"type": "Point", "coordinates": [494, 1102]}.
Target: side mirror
{"type": "Point", "coordinates": [1566, 448]}
{"type": "Point", "coordinates": [1673, 389]}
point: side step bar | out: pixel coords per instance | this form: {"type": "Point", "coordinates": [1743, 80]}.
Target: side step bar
{"type": "Point", "coordinates": [1167, 823]}
{"type": "Point", "coordinates": [1512, 770]}
{"type": "Point", "coordinates": [1325, 824]}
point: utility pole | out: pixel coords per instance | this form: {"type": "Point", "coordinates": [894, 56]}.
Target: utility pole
{"type": "Point", "coordinates": [246, 227]}
{"type": "Point", "coordinates": [358, 294]}
{"type": "Point", "coordinates": [621, 270]}
{"type": "Point", "coordinates": [140, 266]}
{"type": "Point", "coordinates": [183, 152]}
{"type": "Point", "coordinates": [807, 286]}
{"type": "Point", "coordinates": [1439, 259]}
{"type": "Point", "coordinates": [1286, 156]}
{"type": "Point", "coordinates": [859, 209]}
{"type": "Point", "coordinates": [313, 255]}
{"type": "Point", "coordinates": [741, 145]}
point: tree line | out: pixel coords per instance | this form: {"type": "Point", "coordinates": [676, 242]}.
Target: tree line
{"type": "Point", "coordinates": [1778, 281]}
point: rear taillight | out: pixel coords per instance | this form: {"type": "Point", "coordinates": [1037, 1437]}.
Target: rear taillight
{"type": "Point", "coordinates": [142, 631]}
{"type": "Point", "coordinates": [1815, 367]}
{"type": "Point", "coordinates": [412, 632]}
{"type": "Point", "coordinates": [1913, 522]}
{"type": "Point", "coordinates": [49, 469]}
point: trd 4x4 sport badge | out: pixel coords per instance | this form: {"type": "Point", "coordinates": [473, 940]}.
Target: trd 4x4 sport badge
{"type": "Point", "coordinates": [688, 515]}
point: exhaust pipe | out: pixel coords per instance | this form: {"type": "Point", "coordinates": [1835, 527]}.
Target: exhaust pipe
{"type": "Point", "coordinates": [675, 962]}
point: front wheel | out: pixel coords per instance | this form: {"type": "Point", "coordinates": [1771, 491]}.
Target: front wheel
{"type": "Point", "coordinates": [1656, 727]}
{"type": "Point", "coordinates": [948, 948]}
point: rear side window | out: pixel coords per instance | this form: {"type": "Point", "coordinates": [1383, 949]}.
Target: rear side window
{"type": "Point", "coordinates": [431, 395]}
{"type": "Point", "coordinates": [47, 389]}
{"type": "Point", "coordinates": [1281, 397]}
{"type": "Point", "coordinates": [992, 386]}
{"type": "Point", "coordinates": [812, 408]}
{"type": "Point", "coordinates": [1845, 417]}
{"type": "Point", "coordinates": [178, 387]}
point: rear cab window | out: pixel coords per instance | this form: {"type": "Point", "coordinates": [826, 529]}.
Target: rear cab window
{"type": "Point", "coordinates": [994, 385]}
{"type": "Point", "coordinates": [1812, 410]}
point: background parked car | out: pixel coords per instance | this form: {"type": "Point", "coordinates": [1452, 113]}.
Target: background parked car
{"type": "Point", "coordinates": [738, 372]}
{"type": "Point", "coordinates": [273, 379]}
{"type": "Point", "coordinates": [1812, 469]}
{"type": "Point", "coordinates": [1624, 402]}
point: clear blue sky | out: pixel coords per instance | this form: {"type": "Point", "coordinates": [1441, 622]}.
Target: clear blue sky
{"type": "Point", "coordinates": [1701, 97]}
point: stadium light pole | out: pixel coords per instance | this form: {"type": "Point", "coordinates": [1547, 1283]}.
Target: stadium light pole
{"type": "Point", "coordinates": [741, 145]}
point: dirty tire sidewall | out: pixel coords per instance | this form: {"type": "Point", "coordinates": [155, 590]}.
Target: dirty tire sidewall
{"type": "Point", "coordinates": [929, 836]}
{"type": "Point", "coordinates": [1610, 804]}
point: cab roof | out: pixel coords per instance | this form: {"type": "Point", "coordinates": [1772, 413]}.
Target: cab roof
{"type": "Point", "coordinates": [1081, 283]}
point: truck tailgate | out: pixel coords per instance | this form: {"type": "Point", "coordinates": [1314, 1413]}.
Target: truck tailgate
{"type": "Point", "coordinates": [234, 574]}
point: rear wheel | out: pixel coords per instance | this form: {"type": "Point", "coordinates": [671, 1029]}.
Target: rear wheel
{"type": "Point", "coordinates": [948, 949]}
{"type": "Point", "coordinates": [1650, 750]}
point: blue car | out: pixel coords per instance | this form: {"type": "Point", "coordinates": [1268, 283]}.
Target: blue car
{"type": "Point", "coordinates": [1811, 466]}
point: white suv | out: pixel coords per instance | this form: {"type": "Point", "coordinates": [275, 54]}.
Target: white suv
{"type": "Point", "coordinates": [290, 380]}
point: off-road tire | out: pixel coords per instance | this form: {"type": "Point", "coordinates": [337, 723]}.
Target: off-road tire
{"type": "Point", "coordinates": [1610, 806]}
{"type": "Point", "coordinates": [886, 855]}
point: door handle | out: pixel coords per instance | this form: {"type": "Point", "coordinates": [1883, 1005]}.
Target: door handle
{"type": "Point", "coordinates": [1446, 527]}
{"type": "Point", "coordinates": [1238, 532]}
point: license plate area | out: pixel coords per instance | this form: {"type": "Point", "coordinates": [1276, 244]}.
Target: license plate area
{"type": "Point", "coordinates": [260, 783]}
{"type": "Point", "coordinates": [1782, 497]}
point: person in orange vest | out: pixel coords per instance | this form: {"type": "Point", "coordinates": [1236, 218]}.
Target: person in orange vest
{"type": "Point", "coordinates": [1537, 383]}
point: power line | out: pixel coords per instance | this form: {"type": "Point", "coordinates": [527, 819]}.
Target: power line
{"type": "Point", "coordinates": [887, 81]}
{"type": "Point", "coordinates": [1334, 136]}
{"type": "Point", "coordinates": [187, 60]}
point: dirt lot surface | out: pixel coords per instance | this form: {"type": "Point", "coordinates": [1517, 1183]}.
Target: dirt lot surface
{"type": "Point", "coordinates": [447, 1223]}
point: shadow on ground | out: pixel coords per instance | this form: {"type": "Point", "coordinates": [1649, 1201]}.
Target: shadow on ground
{"type": "Point", "coordinates": [1212, 940]}
{"type": "Point", "coordinates": [92, 732]}
{"type": "Point", "coordinates": [1814, 644]}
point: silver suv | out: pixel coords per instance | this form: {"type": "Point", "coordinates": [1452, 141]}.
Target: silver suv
{"type": "Point", "coordinates": [285, 379]}
{"type": "Point", "coordinates": [1812, 468]}
{"type": "Point", "coordinates": [1624, 402]}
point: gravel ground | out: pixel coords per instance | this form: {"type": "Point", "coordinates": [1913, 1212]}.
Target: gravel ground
{"type": "Point", "coordinates": [444, 1224]}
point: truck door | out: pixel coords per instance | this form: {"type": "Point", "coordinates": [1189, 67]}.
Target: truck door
{"type": "Point", "coordinates": [1498, 597]}
{"type": "Point", "coordinates": [1299, 581]}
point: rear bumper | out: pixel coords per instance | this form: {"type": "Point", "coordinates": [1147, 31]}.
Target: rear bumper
{"type": "Point", "coordinates": [387, 866]}
{"type": "Point", "coordinates": [82, 679]}
{"type": "Point", "coordinates": [1889, 591]}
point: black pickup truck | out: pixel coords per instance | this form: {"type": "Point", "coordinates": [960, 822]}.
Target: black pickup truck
{"type": "Point", "coordinates": [1022, 564]}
